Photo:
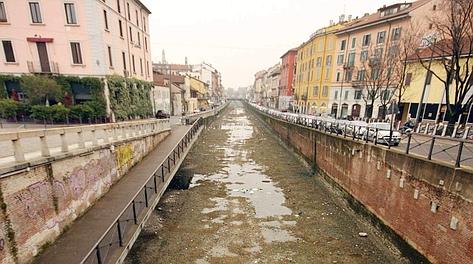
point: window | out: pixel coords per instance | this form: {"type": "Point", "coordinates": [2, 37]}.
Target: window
{"type": "Point", "coordinates": [338, 76]}
{"type": "Point", "coordinates": [343, 44]}
{"type": "Point", "coordinates": [119, 8]}
{"type": "Point", "coordinates": [364, 56]}
{"type": "Point", "coordinates": [375, 74]}
{"type": "Point", "coordinates": [120, 26]}
{"type": "Point", "coordinates": [361, 75]}
{"type": "Point", "coordinates": [71, 18]}
{"type": "Point", "coordinates": [131, 35]}
{"type": "Point", "coordinates": [141, 66]}
{"type": "Point", "coordinates": [3, 13]}
{"type": "Point", "coordinates": [128, 9]}
{"type": "Point", "coordinates": [328, 60]}
{"type": "Point", "coordinates": [385, 95]}
{"type": "Point", "coordinates": [396, 35]}
{"type": "Point", "coordinates": [137, 19]}
{"type": "Point", "coordinates": [8, 50]}
{"type": "Point", "coordinates": [434, 8]}
{"type": "Point", "coordinates": [35, 12]}
{"type": "Point", "coordinates": [340, 59]}
{"type": "Point", "coordinates": [349, 76]}
{"type": "Point", "coordinates": [381, 37]}
{"type": "Point", "coordinates": [378, 53]}
{"type": "Point", "coordinates": [408, 80]}
{"type": "Point", "coordinates": [346, 95]}
{"type": "Point", "coordinates": [319, 61]}
{"type": "Point", "coordinates": [327, 74]}
{"type": "Point", "coordinates": [146, 43]}
{"type": "Point", "coordinates": [353, 43]}
{"type": "Point", "coordinates": [133, 63]}
{"type": "Point", "coordinates": [325, 91]}
{"type": "Point", "coordinates": [366, 40]}
{"type": "Point", "coordinates": [139, 38]}
{"type": "Point", "coordinates": [76, 53]}
{"type": "Point", "coordinates": [110, 60]}
{"type": "Point", "coordinates": [105, 19]}
{"type": "Point", "coordinates": [315, 93]}
{"type": "Point", "coordinates": [336, 95]}
{"type": "Point", "coordinates": [351, 59]}
{"type": "Point", "coordinates": [124, 60]}
{"type": "Point", "coordinates": [147, 68]}
{"type": "Point", "coordinates": [358, 95]}
{"type": "Point", "coordinates": [144, 23]}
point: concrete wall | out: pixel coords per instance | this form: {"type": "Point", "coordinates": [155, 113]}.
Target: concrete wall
{"type": "Point", "coordinates": [38, 204]}
{"type": "Point", "coordinates": [425, 204]}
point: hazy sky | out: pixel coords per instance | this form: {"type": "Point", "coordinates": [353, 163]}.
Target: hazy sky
{"type": "Point", "coordinates": [240, 37]}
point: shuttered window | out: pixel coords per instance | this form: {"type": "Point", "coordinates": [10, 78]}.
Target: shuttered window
{"type": "Point", "coordinates": [76, 53]}
{"type": "Point", "coordinates": [35, 12]}
{"type": "Point", "coordinates": [71, 18]}
{"type": "Point", "coordinates": [8, 50]}
{"type": "Point", "coordinates": [3, 13]}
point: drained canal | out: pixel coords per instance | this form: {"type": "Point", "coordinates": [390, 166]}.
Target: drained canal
{"type": "Point", "coordinates": [251, 200]}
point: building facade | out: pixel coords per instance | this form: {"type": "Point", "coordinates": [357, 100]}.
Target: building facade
{"type": "Point", "coordinates": [81, 38]}
{"type": "Point", "coordinates": [272, 84]}
{"type": "Point", "coordinates": [315, 60]}
{"type": "Point", "coordinates": [360, 44]}
{"type": "Point", "coordinates": [286, 84]}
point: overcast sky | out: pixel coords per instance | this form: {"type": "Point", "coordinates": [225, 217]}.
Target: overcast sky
{"type": "Point", "coordinates": [240, 37]}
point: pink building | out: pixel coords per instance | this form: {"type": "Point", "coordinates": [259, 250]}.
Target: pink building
{"type": "Point", "coordinates": [75, 37]}
{"type": "Point", "coordinates": [367, 39]}
{"type": "Point", "coordinates": [286, 82]}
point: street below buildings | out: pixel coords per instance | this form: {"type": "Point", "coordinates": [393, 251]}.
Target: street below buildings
{"type": "Point", "coordinates": [252, 200]}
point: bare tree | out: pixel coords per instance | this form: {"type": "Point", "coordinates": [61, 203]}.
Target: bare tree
{"type": "Point", "coordinates": [452, 49]}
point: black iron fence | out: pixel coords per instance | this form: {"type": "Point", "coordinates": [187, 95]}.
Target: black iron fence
{"type": "Point", "coordinates": [116, 237]}
{"type": "Point", "coordinates": [432, 147]}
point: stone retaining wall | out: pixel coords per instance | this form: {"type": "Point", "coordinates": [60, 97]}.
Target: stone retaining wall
{"type": "Point", "coordinates": [423, 204]}
{"type": "Point", "coordinates": [40, 202]}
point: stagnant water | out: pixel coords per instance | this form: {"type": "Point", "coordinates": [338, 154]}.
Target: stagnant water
{"type": "Point", "coordinates": [253, 201]}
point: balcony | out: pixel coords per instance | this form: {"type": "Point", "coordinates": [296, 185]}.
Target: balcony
{"type": "Point", "coordinates": [49, 68]}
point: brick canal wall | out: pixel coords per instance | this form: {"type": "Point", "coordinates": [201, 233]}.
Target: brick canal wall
{"type": "Point", "coordinates": [39, 203]}
{"type": "Point", "coordinates": [421, 204]}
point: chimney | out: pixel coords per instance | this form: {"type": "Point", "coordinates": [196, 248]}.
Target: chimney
{"type": "Point", "coordinates": [341, 18]}
{"type": "Point", "coordinates": [331, 22]}
{"type": "Point", "coordinates": [366, 14]}
{"type": "Point", "coordinates": [349, 18]}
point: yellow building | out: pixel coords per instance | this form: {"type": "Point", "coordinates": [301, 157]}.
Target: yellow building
{"type": "Point", "coordinates": [434, 101]}
{"type": "Point", "coordinates": [315, 61]}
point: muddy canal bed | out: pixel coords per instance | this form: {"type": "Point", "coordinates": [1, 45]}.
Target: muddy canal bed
{"type": "Point", "coordinates": [252, 200]}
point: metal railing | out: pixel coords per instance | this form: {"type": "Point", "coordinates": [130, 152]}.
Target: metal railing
{"type": "Point", "coordinates": [432, 147]}
{"type": "Point", "coordinates": [120, 232]}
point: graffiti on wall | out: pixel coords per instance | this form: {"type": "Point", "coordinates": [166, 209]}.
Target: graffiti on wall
{"type": "Point", "coordinates": [124, 155]}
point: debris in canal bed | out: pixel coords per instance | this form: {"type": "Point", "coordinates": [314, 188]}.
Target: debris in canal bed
{"type": "Point", "coordinates": [363, 234]}
{"type": "Point", "coordinates": [266, 181]}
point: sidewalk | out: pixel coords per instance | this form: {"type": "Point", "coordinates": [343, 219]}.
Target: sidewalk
{"type": "Point", "coordinates": [73, 245]}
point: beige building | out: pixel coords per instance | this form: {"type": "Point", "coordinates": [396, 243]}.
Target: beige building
{"type": "Point", "coordinates": [75, 37]}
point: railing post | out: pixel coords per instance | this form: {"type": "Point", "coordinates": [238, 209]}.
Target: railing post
{"type": "Point", "coordinates": [376, 137]}
{"type": "Point", "coordinates": [146, 195]}
{"type": "Point", "coordinates": [155, 184]}
{"type": "Point", "coordinates": [162, 172]}
{"type": "Point", "coordinates": [409, 137]}
{"type": "Point", "coordinates": [134, 212]}
{"type": "Point", "coordinates": [169, 165]}
{"type": "Point", "coordinates": [459, 155]}
{"type": "Point", "coordinates": [18, 150]}
{"type": "Point", "coordinates": [99, 258]}
{"type": "Point", "coordinates": [119, 230]}
{"type": "Point", "coordinates": [64, 146]}
{"type": "Point", "coordinates": [429, 157]}
{"type": "Point", "coordinates": [81, 139]}
{"type": "Point", "coordinates": [95, 141]}
{"type": "Point", "coordinates": [44, 146]}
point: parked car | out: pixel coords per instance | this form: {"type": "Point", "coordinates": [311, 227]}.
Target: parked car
{"type": "Point", "coordinates": [162, 115]}
{"type": "Point", "coordinates": [381, 134]}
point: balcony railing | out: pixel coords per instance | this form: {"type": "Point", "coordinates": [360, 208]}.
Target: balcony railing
{"type": "Point", "coordinates": [35, 67]}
